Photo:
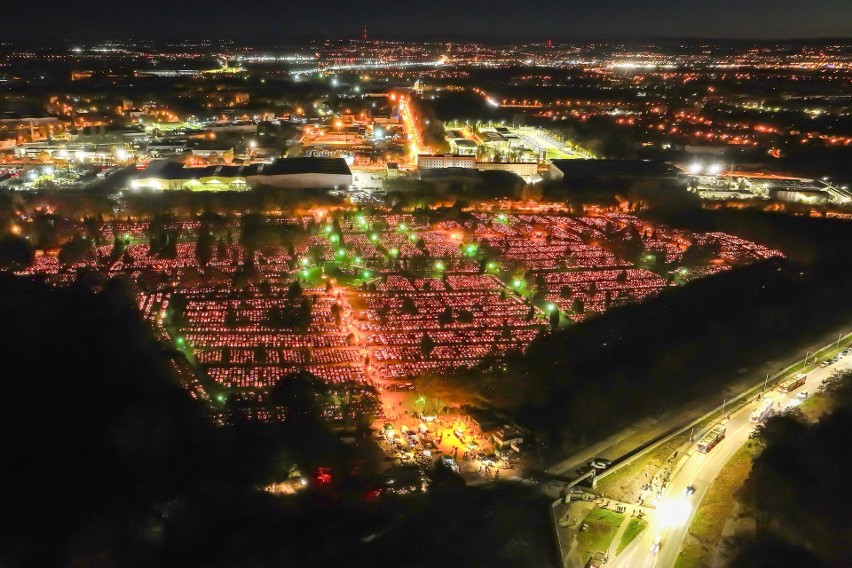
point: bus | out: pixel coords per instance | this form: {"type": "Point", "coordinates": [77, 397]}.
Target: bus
{"type": "Point", "coordinates": [763, 411]}
{"type": "Point", "coordinates": [709, 440]}
{"type": "Point", "coordinates": [793, 383]}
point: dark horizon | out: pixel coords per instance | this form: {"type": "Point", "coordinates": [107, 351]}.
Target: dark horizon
{"type": "Point", "coordinates": [781, 20]}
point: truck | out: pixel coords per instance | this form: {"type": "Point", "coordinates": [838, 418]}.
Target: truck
{"type": "Point", "coordinates": [793, 383]}
{"type": "Point", "coordinates": [763, 411]}
{"type": "Point", "coordinates": [709, 440]}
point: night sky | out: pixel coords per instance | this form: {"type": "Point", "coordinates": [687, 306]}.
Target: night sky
{"type": "Point", "coordinates": [488, 19]}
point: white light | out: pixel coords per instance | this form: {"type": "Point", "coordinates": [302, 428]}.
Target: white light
{"type": "Point", "coordinates": [695, 168]}
{"type": "Point", "coordinates": [675, 513]}
{"type": "Point", "coordinates": [48, 171]}
{"type": "Point", "coordinates": [121, 154]}
{"type": "Point", "coordinates": [714, 169]}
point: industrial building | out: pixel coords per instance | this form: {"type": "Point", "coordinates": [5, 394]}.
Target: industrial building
{"type": "Point", "coordinates": [440, 161]}
{"type": "Point", "coordinates": [292, 173]}
{"type": "Point", "coordinates": [591, 170]}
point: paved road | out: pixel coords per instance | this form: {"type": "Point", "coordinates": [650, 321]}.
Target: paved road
{"type": "Point", "coordinates": [675, 511]}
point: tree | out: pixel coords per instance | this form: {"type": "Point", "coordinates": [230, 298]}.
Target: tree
{"type": "Point", "coordinates": [294, 290]}
{"type": "Point", "coordinates": [204, 248]}
{"type": "Point", "coordinates": [16, 253]}
{"type": "Point", "coordinates": [445, 317]}
{"type": "Point", "coordinates": [532, 192]}
{"type": "Point", "coordinates": [78, 249]}
{"type": "Point", "coordinates": [427, 345]}
{"type": "Point", "coordinates": [578, 306]}
{"type": "Point", "coordinates": [337, 313]}
{"type": "Point", "coordinates": [798, 485]}
{"type": "Point", "coordinates": [408, 306]}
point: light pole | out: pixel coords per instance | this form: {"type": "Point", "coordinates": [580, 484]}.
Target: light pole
{"type": "Point", "coordinates": [724, 402]}
{"type": "Point", "coordinates": [765, 381]}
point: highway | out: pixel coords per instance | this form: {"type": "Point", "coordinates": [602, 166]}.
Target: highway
{"type": "Point", "coordinates": [675, 510]}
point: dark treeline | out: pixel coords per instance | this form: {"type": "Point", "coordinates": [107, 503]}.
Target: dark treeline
{"type": "Point", "coordinates": [487, 185]}
{"type": "Point", "coordinates": [798, 489]}
{"type": "Point", "coordinates": [609, 192]}
{"type": "Point", "coordinates": [82, 203]}
{"type": "Point", "coordinates": [587, 380]}
{"type": "Point", "coordinates": [823, 243]}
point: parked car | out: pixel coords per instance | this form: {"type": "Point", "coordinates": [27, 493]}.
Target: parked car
{"type": "Point", "coordinates": [690, 489]}
{"type": "Point", "coordinates": [600, 463]}
{"type": "Point", "coordinates": [802, 395]}
{"type": "Point", "coordinates": [655, 548]}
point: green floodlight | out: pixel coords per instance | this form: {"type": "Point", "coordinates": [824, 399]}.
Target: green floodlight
{"type": "Point", "coordinates": [304, 261]}
{"type": "Point", "coordinates": [439, 265]}
{"type": "Point", "coordinates": [341, 253]}
{"type": "Point", "coordinates": [334, 238]}
{"type": "Point", "coordinates": [491, 265]}
{"type": "Point", "coordinates": [366, 274]}
{"type": "Point", "coordinates": [550, 306]}
{"type": "Point", "coordinates": [394, 251]}
{"type": "Point", "coordinates": [470, 249]}
{"type": "Point", "coordinates": [516, 283]}
{"type": "Point", "coordinates": [374, 237]}
{"type": "Point", "coordinates": [305, 273]}
{"type": "Point", "coordinates": [327, 228]}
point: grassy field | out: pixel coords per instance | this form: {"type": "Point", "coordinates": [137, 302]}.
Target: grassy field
{"type": "Point", "coordinates": [625, 484]}
{"type": "Point", "coordinates": [816, 405]}
{"type": "Point", "coordinates": [699, 547]}
{"type": "Point", "coordinates": [634, 529]}
{"type": "Point", "coordinates": [601, 526]}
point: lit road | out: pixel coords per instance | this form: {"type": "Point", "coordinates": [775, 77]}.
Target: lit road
{"type": "Point", "coordinates": [415, 143]}
{"type": "Point", "coordinates": [674, 514]}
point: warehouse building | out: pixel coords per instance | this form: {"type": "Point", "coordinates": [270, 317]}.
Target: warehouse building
{"type": "Point", "coordinates": [292, 173]}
